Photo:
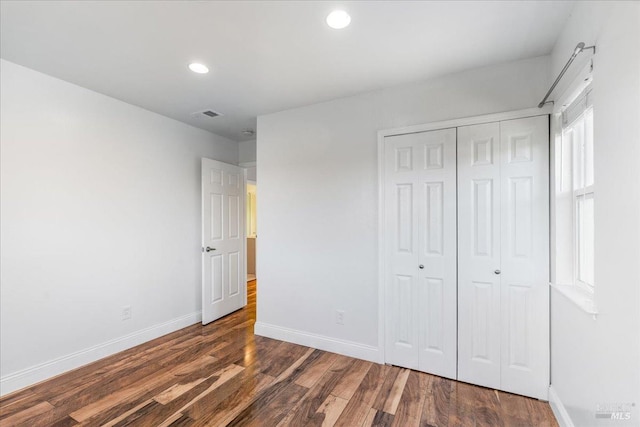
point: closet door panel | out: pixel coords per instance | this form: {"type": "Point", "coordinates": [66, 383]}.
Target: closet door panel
{"type": "Point", "coordinates": [438, 251]}
{"type": "Point", "coordinates": [420, 212]}
{"type": "Point", "coordinates": [525, 255]}
{"type": "Point", "coordinates": [401, 212]}
{"type": "Point", "coordinates": [479, 219]}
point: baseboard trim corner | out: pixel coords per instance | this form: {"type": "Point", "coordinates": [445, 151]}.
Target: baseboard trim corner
{"type": "Point", "coordinates": [46, 370]}
{"type": "Point", "coordinates": [321, 342]}
{"type": "Point", "coordinates": [560, 412]}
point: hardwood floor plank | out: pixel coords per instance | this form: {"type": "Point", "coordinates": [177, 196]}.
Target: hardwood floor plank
{"type": "Point", "coordinates": [392, 401]}
{"type": "Point", "coordinates": [173, 420]}
{"type": "Point", "coordinates": [361, 403]}
{"type": "Point", "coordinates": [146, 394]}
{"type": "Point", "coordinates": [18, 402]}
{"type": "Point", "coordinates": [306, 409]}
{"type": "Point", "coordinates": [310, 377]}
{"type": "Point", "coordinates": [133, 417]}
{"type": "Point", "coordinates": [342, 364]}
{"type": "Point", "coordinates": [382, 419]}
{"type": "Point", "coordinates": [266, 397]}
{"type": "Point", "coordinates": [236, 402]}
{"type": "Point", "coordinates": [182, 421]}
{"type": "Point", "coordinates": [121, 365]}
{"type": "Point", "coordinates": [56, 416]}
{"type": "Point", "coordinates": [113, 399]}
{"type": "Point", "coordinates": [63, 422]}
{"type": "Point", "coordinates": [295, 365]}
{"type": "Point", "coordinates": [368, 421]}
{"type": "Point", "coordinates": [487, 411]}
{"type": "Point", "coordinates": [461, 409]}
{"type": "Point", "coordinates": [540, 413]}
{"type": "Point", "coordinates": [142, 391]}
{"type": "Point", "coordinates": [514, 409]}
{"type": "Point", "coordinates": [177, 390]}
{"type": "Point", "coordinates": [202, 407]}
{"type": "Point", "coordinates": [351, 381]}
{"type": "Point", "coordinates": [271, 413]}
{"type": "Point", "coordinates": [283, 358]}
{"type": "Point", "coordinates": [257, 353]}
{"type": "Point", "coordinates": [409, 411]}
{"type": "Point", "coordinates": [222, 374]}
{"type": "Point", "coordinates": [387, 385]}
{"type": "Point", "coordinates": [25, 415]}
{"type": "Point", "coordinates": [435, 411]}
{"type": "Point", "coordinates": [126, 414]}
{"type": "Point", "coordinates": [222, 377]}
{"type": "Point", "coordinates": [331, 409]}
{"type": "Point", "coordinates": [131, 378]}
{"type": "Point", "coordinates": [280, 406]}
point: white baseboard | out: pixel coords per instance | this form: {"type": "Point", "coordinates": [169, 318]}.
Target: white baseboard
{"type": "Point", "coordinates": [560, 412]}
{"type": "Point", "coordinates": [29, 376]}
{"type": "Point", "coordinates": [333, 345]}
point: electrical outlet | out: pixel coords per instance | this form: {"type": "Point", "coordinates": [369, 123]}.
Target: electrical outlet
{"type": "Point", "coordinates": [126, 312]}
{"type": "Point", "coordinates": [340, 317]}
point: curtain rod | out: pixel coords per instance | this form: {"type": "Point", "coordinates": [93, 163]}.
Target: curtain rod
{"type": "Point", "coordinates": [579, 48]}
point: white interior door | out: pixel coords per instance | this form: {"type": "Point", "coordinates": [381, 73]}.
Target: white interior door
{"type": "Point", "coordinates": [223, 239]}
{"type": "Point", "coordinates": [420, 283]}
{"type": "Point", "coordinates": [503, 244]}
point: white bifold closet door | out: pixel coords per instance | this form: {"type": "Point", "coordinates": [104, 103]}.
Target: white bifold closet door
{"type": "Point", "coordinates": [420, 278]}
{"type": "Point", "coordinates": [503, 255]}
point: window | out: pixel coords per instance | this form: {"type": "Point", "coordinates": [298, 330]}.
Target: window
{"type": "Point", "coordinates": [575, 195]}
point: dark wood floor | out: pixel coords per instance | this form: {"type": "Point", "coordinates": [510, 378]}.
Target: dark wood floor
{"type": "Point", "coordinates": [222, 374]}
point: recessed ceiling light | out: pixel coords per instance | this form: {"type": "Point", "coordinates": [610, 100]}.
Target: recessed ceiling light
{"type": "Point", "coordinates": [338, 19]}
{"type": "Point", "coordinates": [198, 68]}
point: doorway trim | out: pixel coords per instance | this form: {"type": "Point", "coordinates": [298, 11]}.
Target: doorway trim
{"type": "Point", "coordinates": [245, 166]}
{"type": "Point", "coordinates": [382, 134]}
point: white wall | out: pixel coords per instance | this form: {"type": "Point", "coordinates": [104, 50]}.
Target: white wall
{"type": "Point", "coordinates": [597, 362]}
{"type": "Point", "coordinates": [318, 198]}
{"type": "Point", "coordinates": [247, 151]}
{"type": "Point", "coordinates": [100, 209]}
{"type": "Point", "coordinates": [248, 155]}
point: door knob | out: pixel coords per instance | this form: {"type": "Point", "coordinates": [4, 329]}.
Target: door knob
{"type": "Point", "coordinates": [497, 272]}
{"type": "Point", "coordinates": [421, 266]}
{"type": "Point", "coordinates": [208, 249]}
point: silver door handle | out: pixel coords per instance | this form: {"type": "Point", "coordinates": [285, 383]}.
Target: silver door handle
{"type": "Point", "coordinates": [421, 266]}
{"type": "Point", "coordinates": [208, 249]}
{"type": "Point", "coordinates": [497, 272]}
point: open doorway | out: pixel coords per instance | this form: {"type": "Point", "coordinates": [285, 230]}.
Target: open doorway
{"type": "Point", "coordinates": [251, 230]}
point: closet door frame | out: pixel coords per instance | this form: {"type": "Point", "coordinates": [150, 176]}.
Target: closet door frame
{"type": "Point", "coordinates": [382, 232]}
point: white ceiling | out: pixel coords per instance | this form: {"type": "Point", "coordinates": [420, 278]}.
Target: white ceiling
{"type": "Point", "coordinates": [265, 56]}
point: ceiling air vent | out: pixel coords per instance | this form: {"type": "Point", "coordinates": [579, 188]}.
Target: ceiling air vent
{"type": "Point", "coordinates": [208, 113]}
